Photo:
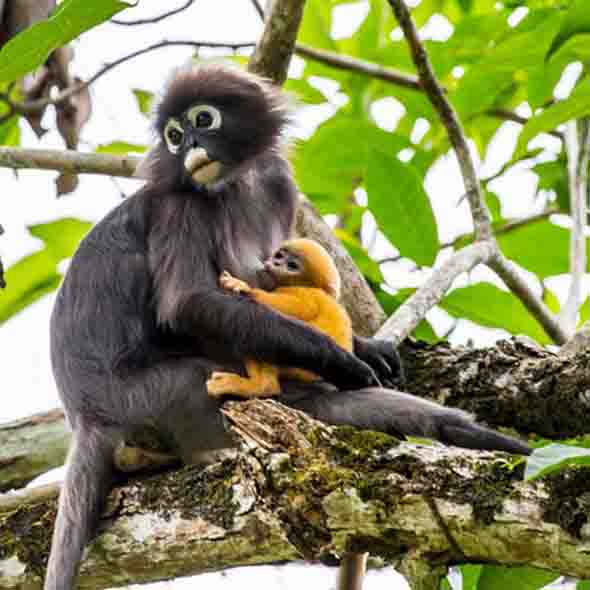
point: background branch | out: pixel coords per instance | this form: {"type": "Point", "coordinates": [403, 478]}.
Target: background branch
{"type": "Point", "coordinates": [154, 19]}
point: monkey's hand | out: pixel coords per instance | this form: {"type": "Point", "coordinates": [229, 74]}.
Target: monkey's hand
{"type": "Point", "coordinates": [383, 357]}
{"type": "Point", "coordinates": [230, 283]}
{"type": "Point", "coordinates": [355, 374]}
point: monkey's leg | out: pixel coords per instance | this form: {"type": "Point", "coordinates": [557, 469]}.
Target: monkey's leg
{"type": "Point", "coordinates": [262, 381]}
{"type": "Point", "coordinates": [88, 479]}
{"type": "Point", "coordinates": [135, 459]}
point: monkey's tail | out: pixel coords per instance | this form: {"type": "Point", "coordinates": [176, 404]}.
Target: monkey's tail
{"type": "Point", "coordinates": [89, 477]}
{"type": "Point", "coordinates": [471, 435]}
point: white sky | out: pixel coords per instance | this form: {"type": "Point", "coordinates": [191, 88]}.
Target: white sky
{"type": "Point", "coordinates": [27, 385]}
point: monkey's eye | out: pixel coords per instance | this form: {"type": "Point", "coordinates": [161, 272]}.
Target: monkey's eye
{"type": "Point", "coordinates": [204, 116]}
{"type": "Point", "coordinates": [292, 266]}
{"type": "Point", "coordinates": [279, 255]}
{"type": "Point", "coordinates": [173, 134]}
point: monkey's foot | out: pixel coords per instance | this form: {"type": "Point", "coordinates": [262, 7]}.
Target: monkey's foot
{"type": "Point", "coordinates": [230, 283]}
{"type": "Point", "coordinates": [221, 383]}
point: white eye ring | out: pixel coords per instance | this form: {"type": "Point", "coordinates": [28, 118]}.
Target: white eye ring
{"type": "Point", "coordinates": [173, 124]}
{"type": "Point", "coordinates": [195, 111]}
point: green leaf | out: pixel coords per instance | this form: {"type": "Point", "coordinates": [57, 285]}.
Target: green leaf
{"type": "Point", "coordinates": [335, 158]}
{"type": "Point", "coordinates": [471, 574]}
{"type": "Point", "coordinates": [10, 132]}
{"type": "Point", "coordinates": [29, 49]}
{"type": "Point", "coordinates": [551, 301]}
{"type": "Point", "coordinates": [576, 21]}
{"type": "Point", "coordinates": [36, 275]}
{"type": "Point", "coordinates": [555, 457]}
{"type": "Point", "coordinates": [144, 100]}
{"type": "Point", "coordinates": [573, 107]}
{"type": "Point", "coordinates": [583, 585]}
{"type": "Point", "coordinates": [402, 208]}
{"type": "Point", "coordinates": [120, 147]}
{"type": "Point", "coordinates": [489, 306]}
{"type": "Point", "coordinates": [496, 577]}
{"type": "Point", "coordinates": [541, 247]}
{"type": "Point", "coordinates": [364, 262]}
{"type": "Point", "coordinates": [304, 91]}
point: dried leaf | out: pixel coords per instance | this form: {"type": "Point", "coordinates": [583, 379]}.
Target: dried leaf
{"type": "Point", "coordinates": [66, 183]}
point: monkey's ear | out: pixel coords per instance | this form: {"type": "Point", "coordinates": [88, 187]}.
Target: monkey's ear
{"type": "Point", "coordinates": [144, 169]}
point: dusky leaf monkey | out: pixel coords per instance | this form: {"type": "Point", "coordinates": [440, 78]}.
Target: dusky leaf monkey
{"type": "Point", "coordinates": [140, 321]}
{"type": "Point", "coordinates": [306, 286]}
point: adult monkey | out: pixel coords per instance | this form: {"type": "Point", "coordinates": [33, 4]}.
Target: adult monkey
{"type": "Point", "coordinates": [140, 321]}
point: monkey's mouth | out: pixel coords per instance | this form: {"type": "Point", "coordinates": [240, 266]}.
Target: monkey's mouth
{"type": "Point", "coordinates": [200, 167]}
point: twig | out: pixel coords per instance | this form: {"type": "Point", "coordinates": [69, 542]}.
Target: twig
{"type": "Point", "coordinates": [512, 116]}
{"type": "Point", "coordinates": [515, 281]}
{"type": "Point", "coordinates": [353, 64]}
{"type": "Point", "coordinates": [35, 106]}
{"type": "Point", "coordinates": [479, 211]}
{"type": "Point", "coordinates": [258, 8]}
{"type": "Point", "coordinates": [407, 317]}
{"type": "Point", "coordinates": [577, 146]}
{"type": "Point", "coordinates": [155, 19]}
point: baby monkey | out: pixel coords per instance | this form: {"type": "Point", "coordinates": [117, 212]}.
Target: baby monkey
{"type": "Point", "coordinates": [306, 287]}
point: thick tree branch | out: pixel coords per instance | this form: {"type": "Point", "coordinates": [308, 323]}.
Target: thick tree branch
{"type": "Point", "coordinates": [302, 489]}
{"type": "Point", "coordinates": [274, 50]}
{"type": "Point", "coordinates": [514, 385]}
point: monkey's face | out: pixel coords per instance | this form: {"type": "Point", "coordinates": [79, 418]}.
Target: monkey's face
{"type": "Point", "coordinates": [213, 122]}
{"type": "Point", "coordinates": [288, 268]}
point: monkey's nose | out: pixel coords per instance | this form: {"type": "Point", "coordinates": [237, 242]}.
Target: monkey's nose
{"type": "Point", "coordinates": [267, 265]}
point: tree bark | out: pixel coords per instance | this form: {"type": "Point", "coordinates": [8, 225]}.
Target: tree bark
{"type": "Point", "coordinates": [515, 384]}
{"type": "Point", "coordinates": [300, 489]}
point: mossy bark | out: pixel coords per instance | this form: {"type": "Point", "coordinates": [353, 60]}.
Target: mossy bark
{"type": "Point", "coordinates": [299, 489]}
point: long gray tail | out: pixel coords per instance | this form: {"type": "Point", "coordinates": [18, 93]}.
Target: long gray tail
{"type": "Point", "coordinates": [86, 485]}
{"type": "Point", "coordinates": [474, 436]}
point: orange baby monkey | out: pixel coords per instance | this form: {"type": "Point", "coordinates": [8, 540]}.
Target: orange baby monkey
{"type": "Point", "coordinates": [307, 287]}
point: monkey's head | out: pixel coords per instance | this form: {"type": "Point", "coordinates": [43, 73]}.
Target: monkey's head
{"type": "Point", "coordinates": [304, 263]}
{"type": "Point", "coordinates": [212, 122]}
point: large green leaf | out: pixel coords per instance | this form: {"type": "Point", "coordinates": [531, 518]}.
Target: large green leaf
{"type": "Point", "coordinates": [487, 305]}
{"type": "Point", "coordinates": [573, 107]}
{"type": "Point", "coordinates": [541, 247]}
{"type": "Point", "coordinates": [495, 577]}
{"type": "Point", "coordinates": [10, 132]}
{"type": "Point", "coordinates": [554, 458]}
{"type": "Point", "coordinates": [402, 208]}
{"type": "Point", "coordinates": [576, 21]}
{"type": "Point", "coordinates": [335, 158]}
{"type": "Point", "coordinates": [32, 47]}
{"type": "Point", "coordinates": [36, 275]}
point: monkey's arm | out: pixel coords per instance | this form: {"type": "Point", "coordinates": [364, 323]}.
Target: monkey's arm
{"type": "Point", "coordinates": [251, 330]}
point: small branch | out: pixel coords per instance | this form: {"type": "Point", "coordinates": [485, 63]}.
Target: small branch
{"type": "Point", "coordinates": [577, 147]}
{"type": "Point", "coordinates": [515, 281]}
{"type": "Point", "coordinates": [155, 19]}
{"type": "Point", "coordinates": [516, 118]}
{"type": "Point", "coordinates": [274, 50]}
{"type": "Point", "coordinates": [479, 211]}
{"type": "Point", "coordinates": [359, 66]}
{"type": "Point", "coordinates": [407, 317]}
{"type": "Point", "coordinates": [35, 106]}
{"type": "Point", "coordinates": [258, 8]}
{"type": "Point", "coordinates": [68, 161]}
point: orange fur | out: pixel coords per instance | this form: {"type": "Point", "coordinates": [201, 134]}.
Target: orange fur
{"type": "Point", "coordinates": [313, 299]}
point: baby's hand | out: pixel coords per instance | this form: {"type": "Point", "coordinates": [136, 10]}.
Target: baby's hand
{"type": "Point", "coordinates": [232, 284]}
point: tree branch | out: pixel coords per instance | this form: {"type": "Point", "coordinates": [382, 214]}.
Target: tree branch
{"type": "Point", "coordinates": [302, 489]}
{"type": "Point", "coordinates": [407, 317]}
{"type": "Point", "coordinates": [577, 148]}
{"type": "Point", "coordinates": [35, 106]}
{"type": "Point", "coordinates": [154, 19]}
{"type": "Point", "coordinates": [274, 50]}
